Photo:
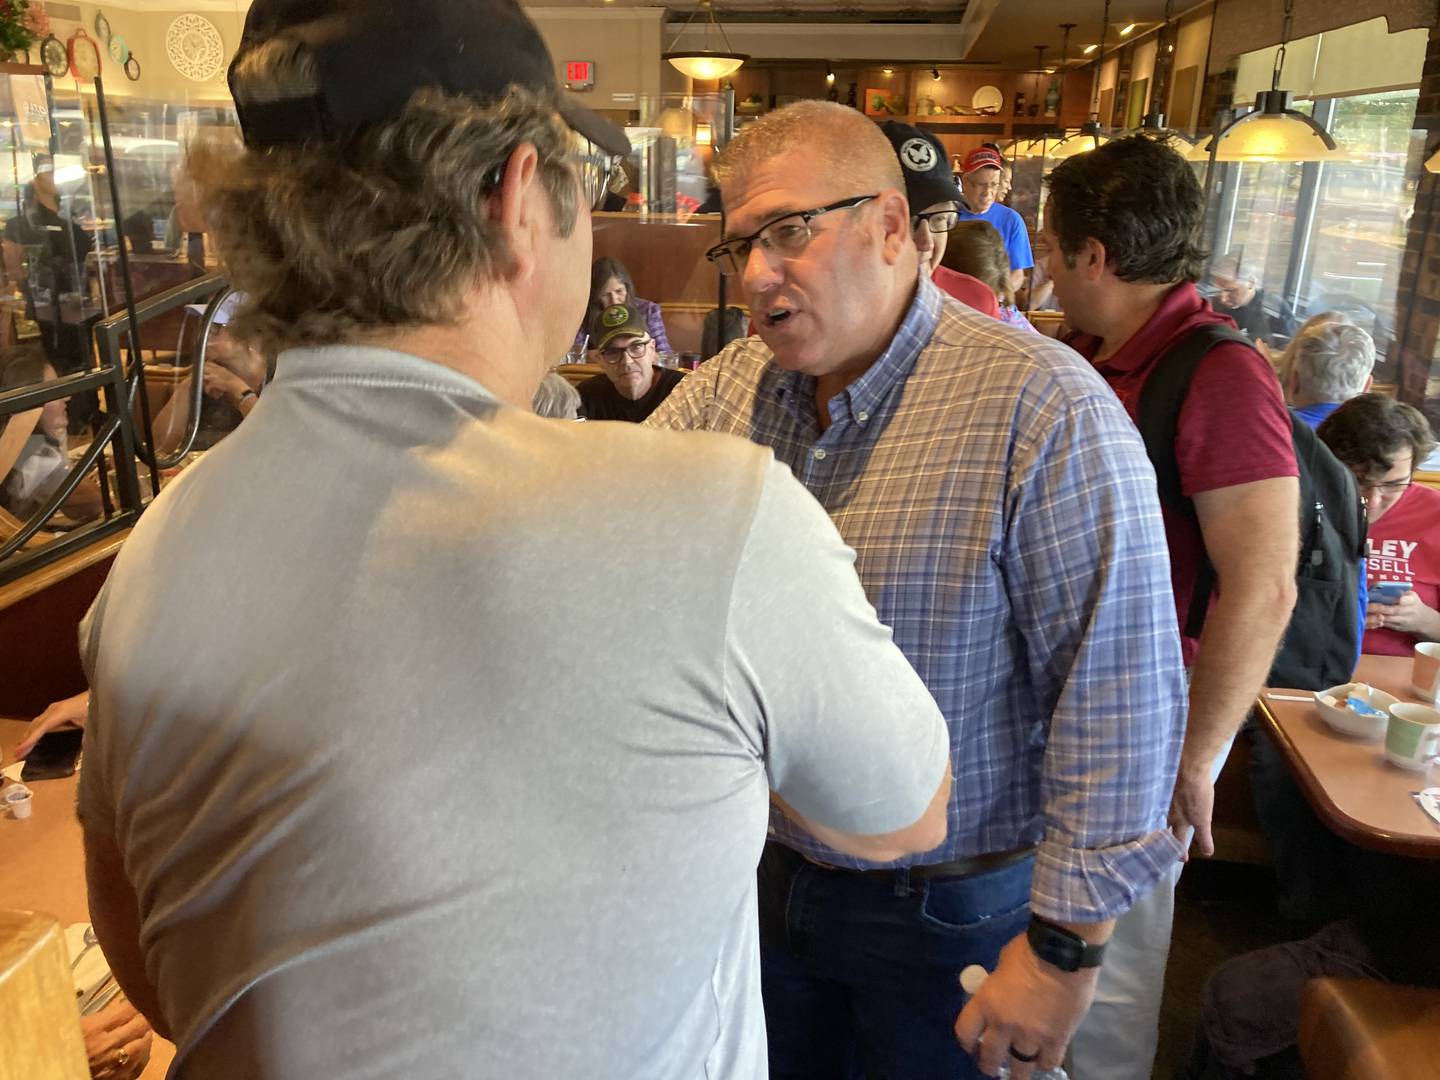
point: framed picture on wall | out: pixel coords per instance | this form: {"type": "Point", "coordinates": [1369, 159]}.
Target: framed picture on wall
{"type": "Point", "coordinates": [880, 102]}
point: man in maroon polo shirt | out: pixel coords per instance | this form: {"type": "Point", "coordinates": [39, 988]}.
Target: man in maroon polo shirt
{"type": "Point", "coordinates": [1123, 225]}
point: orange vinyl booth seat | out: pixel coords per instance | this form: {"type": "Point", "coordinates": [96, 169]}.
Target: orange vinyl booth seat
{"type": "Point", "coordinates": [1355, 1029]}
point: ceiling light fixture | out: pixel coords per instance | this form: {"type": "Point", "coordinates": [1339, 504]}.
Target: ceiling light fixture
{"type": "Point", "coordinates": [705, 63]}
{"type": "Point", "coordinates": [1126, 30]}
{"type": "Point", "coordinates": [1089, 49]}
{"type": "Point", "coordinates": [1090, 136]}
{"type": "Point", "coordinates": [1153, 124]}
{"type": "Point", "coordinates": [829, 75]}
{"type": "Point", "coordinates": [887, 71]}
{"type": "Point", "coordinates": [935, 73]}
{"type": "Point", "coordinates": [1274, 131]}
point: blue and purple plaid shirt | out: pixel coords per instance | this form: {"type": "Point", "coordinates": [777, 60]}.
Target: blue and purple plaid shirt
{"type": "Point", "coordinates": [1007, 529]}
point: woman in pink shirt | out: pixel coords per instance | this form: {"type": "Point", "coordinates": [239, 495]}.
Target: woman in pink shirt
{"type": "Point", "coordinates": [1382, 441]}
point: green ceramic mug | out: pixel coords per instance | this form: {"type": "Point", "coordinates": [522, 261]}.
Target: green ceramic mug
{"type": "Point", "coordinates": [1412, 735]}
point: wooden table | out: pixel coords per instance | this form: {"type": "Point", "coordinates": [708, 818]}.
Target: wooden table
{"type": "Point", "coordinates": [42, 862]}
{"type": "Point", "coordinates": [1358, 794]}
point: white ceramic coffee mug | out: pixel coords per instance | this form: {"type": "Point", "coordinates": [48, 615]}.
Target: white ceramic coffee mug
{"type": "Point", "coordinates": [1425, 675]}
{"type": "Point", "coordinates": [1412, 736]}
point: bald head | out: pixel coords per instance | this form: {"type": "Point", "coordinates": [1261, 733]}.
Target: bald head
{"type": "Point", "coordinates": [836, 142]}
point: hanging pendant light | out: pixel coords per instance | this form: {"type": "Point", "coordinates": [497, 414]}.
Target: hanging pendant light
{"type": "Point", "coordinates": [1274, 131]}
{"type": "Point", "coordinates": [705, 63]}
{"type": "Point", "coordinates": [1091, 135]}
{"type": "Point", "coordinates": [1152, 124]}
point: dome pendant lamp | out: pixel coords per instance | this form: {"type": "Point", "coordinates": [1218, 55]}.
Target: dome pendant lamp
{"type": "Point", "coordinates": [1274, 131]}
{"type": "Point", "coordinates": [1090, 136]}
{"type": "Point", "coordinates": [705, 63]}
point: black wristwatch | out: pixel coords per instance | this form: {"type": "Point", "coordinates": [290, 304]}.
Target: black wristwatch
{"type": "Point", "coordinates": [1062, 948]}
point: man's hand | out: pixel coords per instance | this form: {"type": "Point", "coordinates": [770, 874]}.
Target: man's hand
{"type": "Point", "coordinates": [1191, 807]}
{"type": "Point", "coordinates": [117, 1041]}
{"type": "Point", "coordinates": [1025, 1005]}
{"type": "Point", "coordinates": [1409, 615]}
{"type": "Point", "coordinates": [70, 712]}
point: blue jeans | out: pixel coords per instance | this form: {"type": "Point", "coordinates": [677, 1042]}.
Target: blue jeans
{"type": "Point", "coordinates": [861, 975]}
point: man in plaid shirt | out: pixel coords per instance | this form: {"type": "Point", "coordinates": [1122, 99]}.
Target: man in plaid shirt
{"type": "Point", "coordinates": [1006, 527]}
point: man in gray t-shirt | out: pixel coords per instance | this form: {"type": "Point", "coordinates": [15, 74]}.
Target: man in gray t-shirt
{"type": "Point", "coordinates": [423, 741]}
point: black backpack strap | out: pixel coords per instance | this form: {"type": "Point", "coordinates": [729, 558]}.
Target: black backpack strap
{"type": "Point", "coordinates": [1158, 419]}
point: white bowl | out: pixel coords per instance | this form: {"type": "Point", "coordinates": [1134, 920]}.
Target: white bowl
{"type": "Point", "coordinates": [1348, 723]}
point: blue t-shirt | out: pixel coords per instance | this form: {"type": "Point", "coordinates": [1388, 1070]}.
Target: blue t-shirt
{"type": "Point", "coordinates": [1314, 414]}
{"type": "Point", "coordinates": [1012, 230]}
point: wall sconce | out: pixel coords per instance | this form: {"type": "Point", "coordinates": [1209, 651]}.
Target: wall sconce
{"type": "Point", "coordinates": [704, 135]}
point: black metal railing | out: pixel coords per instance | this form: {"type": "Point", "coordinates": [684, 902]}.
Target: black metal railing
{"type": "Point", "coordinates": [120, 378]}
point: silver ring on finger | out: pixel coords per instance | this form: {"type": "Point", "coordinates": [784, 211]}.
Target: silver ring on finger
{"type": "Point", "coordinates": [1027, 1058]}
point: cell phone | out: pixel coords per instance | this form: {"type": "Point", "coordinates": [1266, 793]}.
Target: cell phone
{"type": "Point", "coordinates": [1389, 592]}
{"type": "Point", "coordinates": [54, 756]}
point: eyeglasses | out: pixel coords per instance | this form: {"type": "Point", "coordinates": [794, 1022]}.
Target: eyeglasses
{"type": "Point", "coordinates": [936, 221]}
{"type": "Point", "coordinates": [786, 235]}
{"type": "Point", "coordinates": [1388, 487]}
{"type": "Point", "coordinates": [635, 350]}
{"type": "Point", "coordinates": [595, 168]}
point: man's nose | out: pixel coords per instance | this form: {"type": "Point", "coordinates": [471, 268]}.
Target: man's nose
{"type": "Point", "coordinates": [762, 271]}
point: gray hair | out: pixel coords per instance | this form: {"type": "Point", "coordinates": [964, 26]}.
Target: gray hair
{"type": "Point", "coordinates": [1333, 361]}
{"type": "Point", "coordinates": [556, 398]}
{"type": "Point", "coordinates": [1232, 266]}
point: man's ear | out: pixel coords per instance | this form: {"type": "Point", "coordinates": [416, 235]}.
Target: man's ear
{"type": "Point", "coordinates": [521, 208]}
{"type": "Point", "coordinates": [1091, 258]}
{"type": "Point", "coordinates": [895, 223]}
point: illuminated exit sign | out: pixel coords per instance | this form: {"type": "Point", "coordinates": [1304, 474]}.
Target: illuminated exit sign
{"type": "Point", "coordinates": [579, 74]}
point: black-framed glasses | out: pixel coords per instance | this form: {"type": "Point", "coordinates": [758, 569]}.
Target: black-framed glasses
{"type": "Point", "coordinates": [635, 351]}
{"type": "Point", "coordinates": [786, 235]}
{"type": "Point", "coordinates": [1387, 487]}
{"type": "Point", "coordinates": [937, 221]}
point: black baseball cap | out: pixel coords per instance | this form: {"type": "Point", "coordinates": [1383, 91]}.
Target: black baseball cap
{"type": "Point", "coordinates": [928, 179]}
{"type": "Point", "coordinates": [370, 56]}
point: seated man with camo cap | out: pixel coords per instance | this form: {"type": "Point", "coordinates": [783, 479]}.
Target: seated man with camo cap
{"type": "Point", "coordinates": [935, 201]}
{"type": "Point", "coordinates": [632, 386]}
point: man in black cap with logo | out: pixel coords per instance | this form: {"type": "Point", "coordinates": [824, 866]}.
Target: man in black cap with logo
{"type": "Point", "coordinates": [631, 386]}
{"type": "Point", "coordinates": [428, 801]}
{"type": "Point", "coordinates": [935, 201]}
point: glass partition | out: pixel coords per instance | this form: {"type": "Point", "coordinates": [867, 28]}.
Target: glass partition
{"type": "Point", "coordinates": [662, 214]}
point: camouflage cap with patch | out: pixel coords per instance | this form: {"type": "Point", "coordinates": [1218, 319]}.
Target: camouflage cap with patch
{"type": "Point", "coordinates": [615, 321]}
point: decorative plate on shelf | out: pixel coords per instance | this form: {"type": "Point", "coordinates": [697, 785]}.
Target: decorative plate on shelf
{"type": "Point", "coordinates": [102, 27]}
{"type": "Point", "coordinates": [119, 51]}
{"type": "Point", "coordinates": [55, 57]}
{"type": "Point", "coordinates": [132, 69]}
{"type": "Point", "coordinates": [988, 99]}
{"type": "Point", "coordinates": [194, 47]}
{"type": "Point", "coordinates": [84, 56]}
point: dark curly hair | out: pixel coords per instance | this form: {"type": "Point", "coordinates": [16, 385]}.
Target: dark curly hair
{"type": "Point", "coordinates": [1141, 200]}
{"type": "Point", "coordinates": [1368, 431]}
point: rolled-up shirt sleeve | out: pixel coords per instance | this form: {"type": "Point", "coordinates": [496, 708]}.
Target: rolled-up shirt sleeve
{"type": "Point", "coordinates": [1089, 583]}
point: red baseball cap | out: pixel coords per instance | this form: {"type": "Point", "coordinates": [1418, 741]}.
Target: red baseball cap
{"type": "Point", "coordinates": [982, 157]}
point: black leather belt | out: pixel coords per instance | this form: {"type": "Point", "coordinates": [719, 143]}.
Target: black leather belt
{"type": "Point", "coordinates": [966, 867]}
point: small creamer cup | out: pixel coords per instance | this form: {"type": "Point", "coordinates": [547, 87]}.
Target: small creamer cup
{"type": "Point", "coordinates": [18, 801]}
{"type": "Point", "coordinates": [1412, 736]}
{"type": "Point", "coordinates": [1425, 675]}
